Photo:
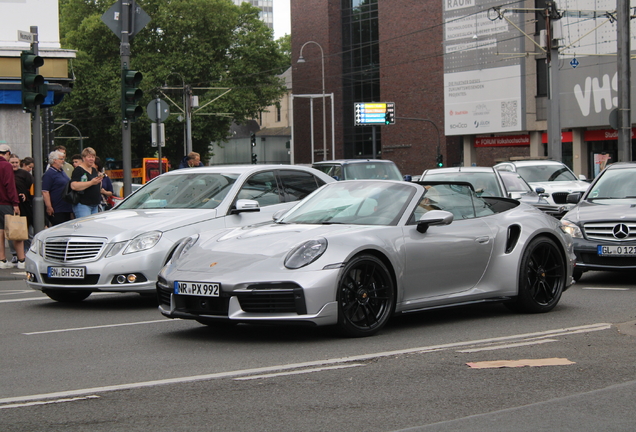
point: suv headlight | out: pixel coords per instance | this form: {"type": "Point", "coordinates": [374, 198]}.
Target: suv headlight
{"type": "Point", "coordinates": [143, 242]}
{"type": "Point", "coordinates": [305, 253]}
{"type": "Point", "coordinates": [571, 228]}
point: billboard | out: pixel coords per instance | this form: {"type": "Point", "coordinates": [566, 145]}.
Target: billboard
{"type": "Point", "coordinates": [483, 64]}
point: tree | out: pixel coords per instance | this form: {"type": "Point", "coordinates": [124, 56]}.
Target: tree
{"type": "Point", "coordinates": [207, 43]}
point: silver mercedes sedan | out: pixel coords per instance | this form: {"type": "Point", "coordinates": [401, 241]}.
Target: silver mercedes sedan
{"type": "Point", "coordinates": [123, 249]}
{"type": "Point", "coordinates": [354, 253]}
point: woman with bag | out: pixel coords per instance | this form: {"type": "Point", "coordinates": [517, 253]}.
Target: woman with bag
{"type": "Point", "coordinates": [8, 207]}
{"type": "Point", "coordinates": [87, 180]}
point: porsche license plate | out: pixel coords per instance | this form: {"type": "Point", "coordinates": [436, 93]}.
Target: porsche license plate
{"type": "Point", "coordinates": [617, 251]}
{"type": "Point", "coordinates": [67, 272]}
{"type": "Point", "coordinates": [205, 289]}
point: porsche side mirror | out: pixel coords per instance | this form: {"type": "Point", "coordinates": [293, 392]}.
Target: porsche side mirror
{"type": "Point", "coordinates": [245, 205]}
{"type": "Point", "coordinates": [434, 217]}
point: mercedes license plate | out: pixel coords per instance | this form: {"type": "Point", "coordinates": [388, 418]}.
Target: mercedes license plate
{"type": "Point", "coordinates": [205, 289]}
{"type": "Point", "coordinates": [617, 251]}
{"type": "Point", "coordinates": [67, 272]}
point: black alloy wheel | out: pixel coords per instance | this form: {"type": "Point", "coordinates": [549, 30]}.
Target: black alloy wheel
{"type": "Point", "coordinates": [366, 296]}
{"type": "Point", "coordinates": [541, 277]}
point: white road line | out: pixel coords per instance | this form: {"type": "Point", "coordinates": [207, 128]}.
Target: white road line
{"type": "Point", "coordinates": [47, 298]}
{"type": "Point", "coordinates": [48, 402]}
{"type": "Point", "coordinates": [305, 365]}
{"type": "Point", "coordinates": [303, 371]}
{"type": "Point", "coordinates": [513, 345]}
{"type": "Point", "coordinates": [605, 289]}
{"type": "Point", "coordinates": [96, 327]}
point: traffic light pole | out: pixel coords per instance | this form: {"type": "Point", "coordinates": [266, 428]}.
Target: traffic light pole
{"type": "Point", "coordinates": [36, 151]}
{"type": "Point", "coordinates": [124, 51]}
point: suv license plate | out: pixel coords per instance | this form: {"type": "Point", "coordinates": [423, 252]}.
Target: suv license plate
{"type": "Point", "coordinates": [67, 272]}
{"type": "Point", "coordinates": [616, 251]}
{"type": "Point", "coordinates": [205, 289]}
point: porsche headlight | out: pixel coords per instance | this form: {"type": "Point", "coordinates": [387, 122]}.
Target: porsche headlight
{"type": "Point", "coordinates": [571, 228]}
{"type": "Point", "coordinates": [305, 253]}
{"type": "Point", "coordinates": [183, 247]}
{"type": "Point", "coordinates": [143, 242]}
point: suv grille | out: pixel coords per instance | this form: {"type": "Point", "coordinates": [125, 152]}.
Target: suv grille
{"type": "Point", "coordinates": [72, 249]}
{"type": "Point", "coordinates": [611, 231]}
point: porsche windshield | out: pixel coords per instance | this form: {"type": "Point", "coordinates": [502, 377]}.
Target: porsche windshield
{"type": "Point", "coordinates": [359, 203]}
{"type": "Point", "coordinates": [187, 191]}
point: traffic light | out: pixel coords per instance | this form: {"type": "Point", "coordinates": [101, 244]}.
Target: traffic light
{"type": "Point", "coordinates": [388, 118]}
{"type": "Point", "coordinates": [253, 139]}
{"type": "Point", "coordinates": [440, 160]}
{"type": "Point", "coordinates": [32, 84]}
{"type": "Point", "coordinates": [254, 158]}
{"type": "Point", "coordinates": [131, 94]}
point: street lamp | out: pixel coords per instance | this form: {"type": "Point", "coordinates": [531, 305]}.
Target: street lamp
{"type": "Point", "coordinates": [324, 111]}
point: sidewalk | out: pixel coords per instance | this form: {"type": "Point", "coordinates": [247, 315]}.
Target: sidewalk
{"type": "Point", "coordinates": [12, 274]}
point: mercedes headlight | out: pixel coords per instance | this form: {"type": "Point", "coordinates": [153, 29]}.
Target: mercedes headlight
{"type": "Point", "coordinates": [305, 253]}
{"type": "Point", "coordinates": [183, 247]}
{"type": "Point", "coordinates": [571, 228]}
{"type": "Point", "coordinates": [143, 242]}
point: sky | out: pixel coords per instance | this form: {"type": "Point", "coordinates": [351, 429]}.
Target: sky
{"type": "Point", "coordinates": [282, 21]}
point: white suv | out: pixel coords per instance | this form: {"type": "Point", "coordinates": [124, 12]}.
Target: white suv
{"type": "Point", "coordinates": [555, 178]}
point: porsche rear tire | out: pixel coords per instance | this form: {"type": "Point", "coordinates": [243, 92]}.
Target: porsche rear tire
{"type": "Point", "coordinates": [366, 297]}
{"type": "Point", "coordinates": [541, 277]}
{"type": "Point", "coordinates": [66, 296]}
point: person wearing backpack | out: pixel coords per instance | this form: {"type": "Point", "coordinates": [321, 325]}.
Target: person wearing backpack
{"type": "Point", "coordinates": [53, 184]}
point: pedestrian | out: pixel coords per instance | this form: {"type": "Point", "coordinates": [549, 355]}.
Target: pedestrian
{"type": "Point", "coordinates": [27, 164]}
{"type": "Point", "coordinates": [107, 187]}
{"type": "Point", "coordinates": [193, 159]}
{"type": "Point", "coordinates": [87, 180]}
{"type": "Point", "coordinates": [76, 159]}
{"type": "Point", "coordinates": [9, 205]}
{"type": "Point", "coordinates": [53, 184]}
{"type": "Point", "coordinates": [23, 185]}
{"type": "Point", "coordinates": [68, 168]}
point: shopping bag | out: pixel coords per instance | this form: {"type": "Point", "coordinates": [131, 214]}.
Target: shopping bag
{"type": "Point", "coordinates": [15, 227]}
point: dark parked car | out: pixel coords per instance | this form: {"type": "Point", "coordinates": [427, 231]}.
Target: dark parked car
{"type": "Point", "coordinates": [603, 223]}
{"type": "Point", "coordinates": [359, 169]}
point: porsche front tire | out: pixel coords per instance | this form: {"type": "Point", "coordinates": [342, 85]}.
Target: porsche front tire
{"type": "Point", "coordinates": [366, 297]}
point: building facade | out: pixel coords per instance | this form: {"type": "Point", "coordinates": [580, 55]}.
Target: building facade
{"type": "Point", "coordinates": [470, 80]}
{"type": "Point", "coordinates": [266, 7]}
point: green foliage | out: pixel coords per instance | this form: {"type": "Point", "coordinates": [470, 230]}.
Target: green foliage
{"type": "Point", "coordinates": [210, 45]}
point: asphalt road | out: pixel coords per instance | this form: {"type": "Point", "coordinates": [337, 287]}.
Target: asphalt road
{"type": "Point", "coordinates": [114, 363]}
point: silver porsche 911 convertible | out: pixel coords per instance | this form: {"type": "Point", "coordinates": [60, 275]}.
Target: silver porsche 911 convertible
{"type": "Point", "coordinates": [354, 253]}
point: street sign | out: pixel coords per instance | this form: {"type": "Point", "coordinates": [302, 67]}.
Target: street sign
{"type": "Point", "coordinates": [164, 110]}
{"type": "Point", "coordinates": [374, 113]}
{"type": "Point", "coordinates": [25, 36]}
{"type": "Point", "coordinates": [138, 19]}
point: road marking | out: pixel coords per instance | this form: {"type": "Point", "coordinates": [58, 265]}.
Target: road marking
{"type": "Point", "coordinates": [305, 365]}
{"type": "Point", "coordinates": [304, 371]}
{"type": "Point", "coordinates": [96, 327]}
{"type": "Point", "coordinates": [605, 289]}
{"type": "Point", "coordinates": [48, 402]}
{"type": "Point", "coordinates": [514, 345]}
{"type": "Point", "coordinates": [47, 298]}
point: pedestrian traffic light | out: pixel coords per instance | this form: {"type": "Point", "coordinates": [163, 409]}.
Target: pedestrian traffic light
{"type": "Point", "coordinates": [253, 139]}
{"type": "Point", "coordinates": [131, 94]}
{"type": "Point", "coordinates": [440, 160]}
{"type": "Point", "coordinates": [32, 84]}
{"type": "Point", "coordinates": [254, 158]}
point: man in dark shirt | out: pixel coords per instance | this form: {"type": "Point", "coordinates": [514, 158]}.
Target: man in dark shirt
{"type": "Point", "coordinates": [53, 183]}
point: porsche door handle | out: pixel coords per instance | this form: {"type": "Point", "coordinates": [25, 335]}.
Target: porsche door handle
{"type": "Point", "coordinates": [482, 240]}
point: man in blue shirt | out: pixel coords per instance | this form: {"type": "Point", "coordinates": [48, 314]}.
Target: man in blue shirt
{"type": "Point", "coordinates": [53, 183]}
